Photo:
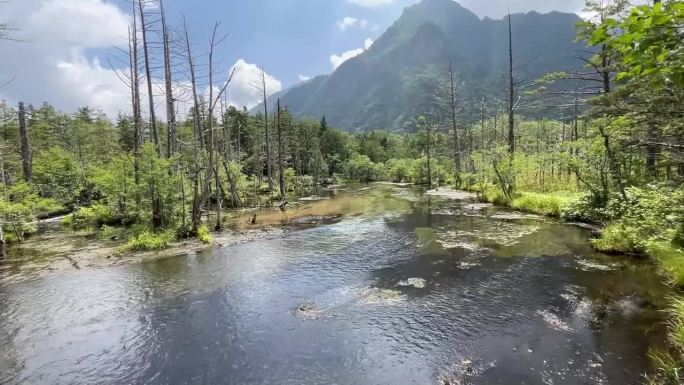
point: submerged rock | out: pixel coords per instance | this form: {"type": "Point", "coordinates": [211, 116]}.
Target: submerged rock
{"type": "Point", "coordinates": [586, 265]}
{"type": "Point", "coordinates": [316, 219]}
{"type": "Point", "coordinates": [459, 195]}
{"type": "Point", "coordinates": [554, 321]}
{"type": "Point", "coordinates": [378, 296]}
{"type": "Point", "coordinates": [418, 283]}
{"type": "Point", "coordinates": [308, 310]}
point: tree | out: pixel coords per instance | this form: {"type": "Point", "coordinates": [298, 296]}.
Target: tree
{"type": "Point", "coordinates": [148, 75]}
{"type": "Point", "coordinates": [171, 142]}
{"type": "Point", "coordinates": [25, 146]}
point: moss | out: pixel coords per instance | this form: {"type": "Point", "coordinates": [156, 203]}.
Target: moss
{"type": "Point", "coordinates": [151, 241]}
{"type": "Point", "coordinates": [204, 235]}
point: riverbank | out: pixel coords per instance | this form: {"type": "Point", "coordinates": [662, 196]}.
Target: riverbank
{"type": "Point", "coordinates": [623, 236]}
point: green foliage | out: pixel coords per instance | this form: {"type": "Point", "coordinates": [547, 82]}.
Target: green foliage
{"type": "Point", "coordinates": [151, 241]}
{"type": "Point", "coordinates": [116, 181]}
{"type": "Point", "coordinates": [399, 170]}
{"type": "Point", "coordinates": [58, 174]}
{"type": "Point", "coordinates": [94, 216]}
{"type": "Point", "coordinates": [204, 235]}
{"type": "Point", "coordinates": [361, 169]}
{"type": "Point", "coordinates": [650, 214]}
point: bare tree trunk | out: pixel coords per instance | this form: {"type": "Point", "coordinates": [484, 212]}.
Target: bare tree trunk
{"type": "Point", "coordinates": [511, 112]}
{"type": "Point", "coordinates": [197, 122]}
{"type": "Point", "coordinates": [148, 74]}
{"type": "Point", "coordinates": [511, 92]}
{"type": "Point", "coordinates": [210, 129]}
{"type": "Point", "coordinates": [26, 160]}
{"type": "Point", "coordinates": [281, 171]}
{"type": "Point", "coordinates": [171, 145]}
{"type": "Point", "coordinates": [612, 159]}
{"type": "Point", "coordinates": [135, 104]}
{"type": "Point", "coordinates": [3, 243]}
{"type": "Point", "coordinates": [269, 168]}
{"type": "Point", "coordinates": [454, 127]}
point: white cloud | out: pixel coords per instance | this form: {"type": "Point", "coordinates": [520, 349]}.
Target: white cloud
{"type": "Point", "coordinates": [51, 63]}
{"type": "Point", "coordinates": [87, 23]}
{"type": "Point", "coordinates": [371, 3]}
{"type": "Point", "coordinates": [337, 60]}
{"type": "Point", "coordinates": [244, 89]}
{"type": "Point", "coordinates": [303, 78]}
{"type": "Point", "coordinates": [349, 22]}
{"type": "Point", "coordinates": [89, 83]}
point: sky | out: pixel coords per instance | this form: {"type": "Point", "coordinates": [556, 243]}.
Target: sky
{"type": "Point", "coordinates": [67, 50]}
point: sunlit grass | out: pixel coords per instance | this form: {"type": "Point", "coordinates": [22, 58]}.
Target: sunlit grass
{"type": "Point", "coordinates": [151, 241]}
{"type": "Point", "coordinates": [544, 204]}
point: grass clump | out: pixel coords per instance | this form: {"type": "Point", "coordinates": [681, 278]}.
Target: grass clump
{"type": "Point", "coordinates": [671, 260]}
{"type": "Point", "coordinates": [151, 241]}
{"type": "Point", "coordinates": [204, 235]}
{"type": "Point", "coordinates": [543, 204]}
{"type": "Point", "coordinates": [668, 369]}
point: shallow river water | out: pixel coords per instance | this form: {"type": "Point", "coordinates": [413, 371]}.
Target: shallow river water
{"type": "Point", "coordinates": [402, 289]}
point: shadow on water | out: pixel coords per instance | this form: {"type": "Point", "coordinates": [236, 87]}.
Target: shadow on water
{"type": "Point", "coordinates": [398, 289]}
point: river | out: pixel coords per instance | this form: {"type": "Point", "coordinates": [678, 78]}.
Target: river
{"type": "Point", "coordinates": [395, 288]}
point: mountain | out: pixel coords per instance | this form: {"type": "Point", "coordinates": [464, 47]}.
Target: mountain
{"type": "Point", "coordinates": [385, 85]}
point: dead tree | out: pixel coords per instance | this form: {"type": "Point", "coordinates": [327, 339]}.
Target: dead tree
{"type": "Point", "coordinates": [148, 74]}
{"type": "Point", "coordinates": [212, 170]}
{"type": "Point", "coordinates": [453, 108]}
{"type": "Point", "coordinates": [511, 92]}
{"type": "Point", "coordinates": [281, 171]}
{"type": "Point", "coordinates": [26, 160]}
{"type": "Point", "coordinates": [135, 101]}
{"type": "Point", "coordinates": [269, 167]}
{"type": "Point", "coordinates": [196, 134]}
{"type": "Point", "coordinates": [171, 132]}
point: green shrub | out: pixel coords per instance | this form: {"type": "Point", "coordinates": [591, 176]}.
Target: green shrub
{"type": "Point", "coordinates": [399, 170]}
{"type": "Point", "coordinates": [151, 241]}
{"type": "Point", "coordinates": [94, 216]}
{"type": "Point", "coordinates": [204, 235]}
{"type": "Point", "coordinates": [361, 169]}
{"type": "Point", "coordinates": [650, 214]}
{"type": "Point", "coordinates": [587, 208]}
{"type": "Point", "coordinates": [617, 238]}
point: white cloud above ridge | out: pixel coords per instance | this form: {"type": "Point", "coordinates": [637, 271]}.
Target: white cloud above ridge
{"type": "Point", "coordinates": [337, 60]}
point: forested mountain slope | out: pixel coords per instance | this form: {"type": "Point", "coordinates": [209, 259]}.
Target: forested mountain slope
{"type": "Point", "coordinates": [386, 85]}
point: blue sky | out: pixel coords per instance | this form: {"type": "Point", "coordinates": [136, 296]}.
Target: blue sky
{"type": "Point", "coordinates": [289, 37]}
{"type": "Point", "coordinates": [65, 56]}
